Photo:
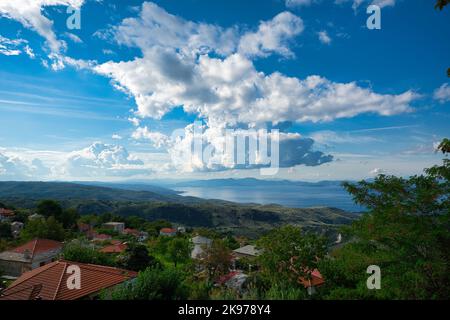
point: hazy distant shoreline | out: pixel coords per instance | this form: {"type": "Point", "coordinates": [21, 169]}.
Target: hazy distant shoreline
{"type": "Point", "coordinates": [293, 196]}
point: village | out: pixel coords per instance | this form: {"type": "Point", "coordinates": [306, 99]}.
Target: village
{"type": "Point", "coordinates": [110, 255]}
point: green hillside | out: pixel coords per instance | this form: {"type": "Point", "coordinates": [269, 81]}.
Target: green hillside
{"type": "Point", "coordinates": [250, 220]}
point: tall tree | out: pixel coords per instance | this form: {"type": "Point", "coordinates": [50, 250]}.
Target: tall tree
{"type": "Point", "coordinates": [288, 253]}
{"type": "Point", "coordinates": [50, 208]}
{"type": "Point", "coordinates": [153, 284]}
{"type": "Point", "coordinates": [137, 258]}
{"type": "Point", "coordinates": [406, 232]}
{"type": "Point", "coordinates": [440, 4]}
{"type": "Point", "coordinates": [179, 250]}
{"type": "Point", "coordinates": [69, 218]}
{"type": "Point", "coordinates": [216, 259]}
{"type": "Point", "coordinates": [43, 228]}
{"type": "Point", "coordinates": [86, 253]}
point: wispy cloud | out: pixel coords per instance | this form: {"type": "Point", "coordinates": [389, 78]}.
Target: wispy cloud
{"type": "Point", "coordinates": [442, 94]}
{"type": "Point", "coordinates": [324, 37]}
{"type": "Point", "coordinates": [52, 110]}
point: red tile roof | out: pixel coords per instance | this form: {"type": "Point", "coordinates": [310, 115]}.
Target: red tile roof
{"type": "Point", "coordinates": [225, 278]}
{"type": "Point", "coordinates": [133, 232]}
{"type": "Point", "coordinates": [49, 282]}
{"type": "Point", "coordinates": [102, 236]}
{"type": "Point", "coordinates": [115, 248]}
{"type": "Point", "coordinates": [315, 281]}
{"type": "Point", "coordinates": [37, 246]}
{"type": "Point", "coordinates": [6, 212]}
{"type": "Point", "coordinates": [315, 278]}
{"type": "Point", "coordinates": [168, 230]}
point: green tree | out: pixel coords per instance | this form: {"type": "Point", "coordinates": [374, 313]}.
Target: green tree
{"type": "Point", "coordinates": [50, 208]}
{"type": "Point", "coordinates": [179, 250]}
{"type": "Point", "coordinates": [135, 222]}
{"type": "Point", "coordinates": [154, 227]}
{"type": "Point", "coordinates": [44, 229]}
{"type": "Point", "coordinates": [69, 218]}
{"type": "Point", "coordinates": [5, 230]}
{"type": "Point", "coordinates": [137, 258]}
{"type": "Point", "coordinates": [90, 219]}
{"type": "Point", "coordinates": [405, 232]}
{"type": "Point", "coordinates": [288, 253]}
{"type": "Point", "coordinates": [153, 284]}
{"type": "Point", "coordinates": [86, 253]}
{"type": "Point", "coordinates": [231, 242]}
{"type": "Point", "coordinates": [216, 259]}
{"type": "Point", "coordinates": [440, 4]}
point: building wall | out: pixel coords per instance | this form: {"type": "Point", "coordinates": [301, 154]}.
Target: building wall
{"type": "Point", "coordinates": [118, 227]}
{"type": "Point", "coordinates": [14, 268]}
{"type": "Point", "coordinates": [17, 268]}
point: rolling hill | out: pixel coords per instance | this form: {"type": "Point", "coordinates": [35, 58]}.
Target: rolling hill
{"type": "Point", "coordinates": [250, 220]}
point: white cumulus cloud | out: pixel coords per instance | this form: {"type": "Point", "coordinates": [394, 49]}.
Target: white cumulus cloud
{"type": "Point", "coordinates": [103, 160]}
{"type": "Point", "coordinates": [442, 94]}
{"type": "Point", "coordinates": [272, 36]}
{"type": "Point", "coordinates": [13, 167]}
{"type": "Point", "coordinates": [30, 14]}
{"type": "Point", "coordinates": [14, 47]}
{"type": "Point", "coordinates": [324, 37]}
{"type": "Point", "coordinates": [190, 64]}
{"type": "Point", "coordinates": [157, 139]}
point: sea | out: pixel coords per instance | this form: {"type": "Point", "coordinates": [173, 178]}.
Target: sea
{"type": "Point", "coordinates": [290, 196]}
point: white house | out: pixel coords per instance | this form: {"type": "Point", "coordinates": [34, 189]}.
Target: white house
{"type": "Point", "coordinates": [200, 244]}
{"type": "Point", "coordinates": [16, 228]}
{"type": "Point", "coordinates": [32, 255]}
{"type": "Point", "coordinates": [116, 226]}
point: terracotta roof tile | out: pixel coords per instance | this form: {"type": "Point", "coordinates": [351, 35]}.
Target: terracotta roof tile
{"type": "Point", "coordinates": [315, 281]}
{"type": "Point", "coordinates": [52, 279]}
{"type": "Point", "coordinates": [6, 212]}
{"type": "Point", "coordinates": [37, 246]}
{"type": "Point", "coordinates": [114, 248]}
{"type": "Point", "coordinates": [168, 230]}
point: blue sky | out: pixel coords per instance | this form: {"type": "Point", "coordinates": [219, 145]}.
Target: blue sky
{"type": "Point", "coordinates": [102, 102]}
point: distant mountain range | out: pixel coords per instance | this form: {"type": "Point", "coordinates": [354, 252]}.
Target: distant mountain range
{"type": "Point", "coordinates": [248, 182]}
{"type": "Point", "coordinates": [84, 191]}
{"type": "Point", "coordinates": [242, 219]}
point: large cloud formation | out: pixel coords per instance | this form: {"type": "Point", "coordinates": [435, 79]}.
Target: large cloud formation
{"type": "Point", "coordinates": [194, 69]}
{"type": "Point", "coordinates": [103, 160]}
{"type": "Point", "coordinates": [97, 161]}
{"type": "Point", "coordinates": [219, 149]}
{"type": "Point", "coordinates": [29, 14]}
{"type": "Point", "coordinates": [210, 72]}
{"type": "Point", "coordinates": [15, 168]}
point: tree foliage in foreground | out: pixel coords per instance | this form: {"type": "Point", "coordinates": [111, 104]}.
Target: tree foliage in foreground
{"type": "Point", "coordinates": [86, 253]}
{"type": "Point", "coordinates": [406, 232]}
{"type": "Point", "coordinates": [153, 284]}
{"type": "Point", "coordinates": [137, 258]}
{"type": "Point", "coordinates": [179, 250]}
{"type": "Point", "coordinates": [48, 228]}
{"type": "Point", "coordinates": [289, 253]}
{"type": "Point", "coordinates": [216, 259]}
